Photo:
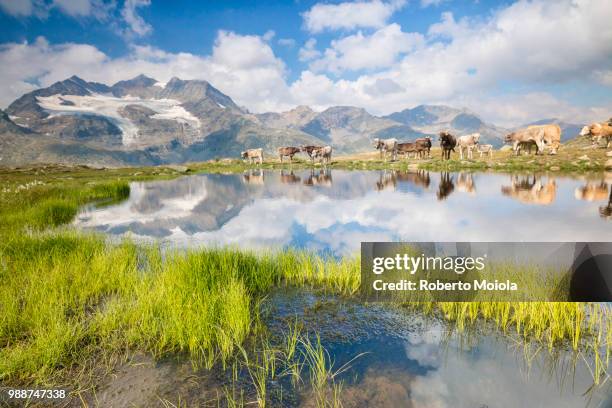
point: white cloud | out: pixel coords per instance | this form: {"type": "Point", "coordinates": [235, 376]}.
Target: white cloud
{"type": "Point", "coordinates": [136, 26]}
{"type": "Point", "coordinates": [308, 51]}
{"type": "Point", "coordinates": [359, 51]}
{"type": "Point", "coordinates": [17, 8]}
{"type": "Point", "coordinates": [349, 15]}
{"type": "Point", "coordinates": [428, 3]}
{"type": "Point", "coordinates": [243, 67]}
{"type": "Point", "coordinates": [500, 67]}
{"type": "Point", "coordinates": [268, 35]}
{"type": "Point", "coordinates": [286, 42]}
{"type": "Point", "coordinates": [74, 7]}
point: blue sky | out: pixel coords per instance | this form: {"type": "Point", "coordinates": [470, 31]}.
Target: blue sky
{"type": "Point", "coordinates": [509, 61]}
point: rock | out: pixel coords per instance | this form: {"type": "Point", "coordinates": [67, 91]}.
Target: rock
{"type": "Point", "coordinates": [609, 154]}
{"type": "Point", "coordinates": [608, 165]}
{"type": "Point", "coordinates": [178, 168]}
{"type": "Point", "coordinates": [583, 157]}
{"type": "Point", "coordinates": [555, 168]}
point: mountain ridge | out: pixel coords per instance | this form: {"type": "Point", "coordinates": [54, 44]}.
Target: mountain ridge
{"type": "Point", "coordinates": [143, 121]}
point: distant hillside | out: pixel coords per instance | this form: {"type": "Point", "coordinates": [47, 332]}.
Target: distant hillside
{"type": "Point", "coordinates": [143, 121]}
{"type": "Point", "coordinates": [432, 119]}
{"type": "Point", "coordinates": [137, 121]}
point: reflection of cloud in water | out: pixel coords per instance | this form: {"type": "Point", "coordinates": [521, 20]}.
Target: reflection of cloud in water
{"type": "Point", "coordinates": [223, 209]}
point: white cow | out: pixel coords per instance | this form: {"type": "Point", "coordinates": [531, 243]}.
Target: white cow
{"type": "Point", "coordinates": [468, 142]}
{"type": "Point", "coordinates": [253, 155]}
{"type": "Point", "coordinates": [485, 149]}
{"type": "Point", "coordinates": [324, 153]}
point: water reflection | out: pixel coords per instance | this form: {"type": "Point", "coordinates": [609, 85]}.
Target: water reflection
{"type": "Point", "coordinates": [321, 178]}
{"type": "Point", "coordinates": [389, 179]}
{"type": "Point", "coordinates": [333, 214]}
{"type": "Point", "coordinates": [531, 190]}
{"type": "Point", "coordinates": [415, 361]}
{"type": "Point", "coordinates": [253, 176]}
{"type": "Point", "coordinates": [445, 187]}
{"type": "Point", "coordinates": [465, 183]}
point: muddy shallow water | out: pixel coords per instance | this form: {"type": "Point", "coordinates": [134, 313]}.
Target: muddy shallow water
{"type": "Point", "coordinates": [405, 360]}
{"type": "Point", "coordinates": [333, 211]}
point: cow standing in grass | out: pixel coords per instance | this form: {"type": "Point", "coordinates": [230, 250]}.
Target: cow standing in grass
{"type": "Point", "coordinates": [468, 142]}
{"type": "Point", "coordinates": [423, 145]}
{"type": "Point", "coordinates": [309, 150]}
{"type": "Point", "coordinates": [324, 154]}
{"type": "Point", "coordinates": [485, 149]}
{"type": "Point", "coordinates": [598, 132]}
{"type": "Point", "coordinates": [386, 145]}
{"type": "Point", "coordinates": [288, 151]}
{"type": "Point", "coordinates": [530, 135]}
{"type": "Point", "coordinates": [447, 144]}
{"type": "Point", "coordinates": [253, 155]}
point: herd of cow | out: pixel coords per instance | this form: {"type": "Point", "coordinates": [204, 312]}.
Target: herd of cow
{"type": "Point", "coordinates": [539, 136]}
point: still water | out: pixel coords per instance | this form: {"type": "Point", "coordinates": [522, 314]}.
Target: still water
{"type": "Point", "coordinates": [333, 211]}
{"type": "Point", "coordinates": [409, 360]}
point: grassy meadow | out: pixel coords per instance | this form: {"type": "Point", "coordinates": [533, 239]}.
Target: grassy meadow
{"type": "Point", "coordinates": [69, 300]}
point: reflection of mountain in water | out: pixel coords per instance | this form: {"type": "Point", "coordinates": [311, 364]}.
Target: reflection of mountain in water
{"type": "Point", "coordinates": [333, 211]}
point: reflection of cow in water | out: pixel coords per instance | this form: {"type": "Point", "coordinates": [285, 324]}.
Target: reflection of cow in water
{"type": "Point", "coordinates": [605, 211]}
{"type": "Point", "coordinates": [530, 190]}
{"type": "Point", "coordinates": [253, 177]}
{"type": "Point", "coordinates": [592, 191]}
{"type": "Point", "coordinates": [289, 178]}
{"type": "Point", "coordinates": [446, 186]}
{"type": "Point", "coordinates": [323, 178]}
{"type": "Point", "coordinates": [465, 183]}
{"type": "Point", "coordinates": [389, 179]}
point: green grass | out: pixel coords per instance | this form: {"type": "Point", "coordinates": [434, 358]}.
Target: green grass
{"type": "Point", "coordinates": [68, 299]}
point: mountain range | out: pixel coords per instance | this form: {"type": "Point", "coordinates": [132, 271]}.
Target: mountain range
{"type": "Point", "coordinates": [143, 122]}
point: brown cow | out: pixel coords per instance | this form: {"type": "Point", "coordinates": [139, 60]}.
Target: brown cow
{"type": "Point", "coordinates": [598, 132]}
{"type": "Point", "coordinates": [288, 151]}
{"type": "Point", "coordinates": [253, 155]}
{"type": "Point", "coordinates": [447, 143]}
{"type": "Point", "coordinates": [406, 148]}
{"type": "Point", "coordinates": [423, 145]}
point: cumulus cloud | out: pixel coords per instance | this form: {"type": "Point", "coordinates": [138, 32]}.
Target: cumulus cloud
{"type": "Point", "coordinates": [349, 15]}
{"type": "Point", "coordinates": [428, 3]}
{"type": "Point", "coordinates": [359, 51]}
{"type": "Point", "coordinates": [243, 67]}
{"type": "Point", "coordinates": [308, 51]}
{"type": "Point", "coordinates": [470, 59]}
{"type": "Point", "coordinates": [136, 25]}
{"type": "Point", "coordinates": [508, 66]}
{"type": "Point", "coordinates": [17, 8]}
{"type": "Point", "coordinates": [286, 42]}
